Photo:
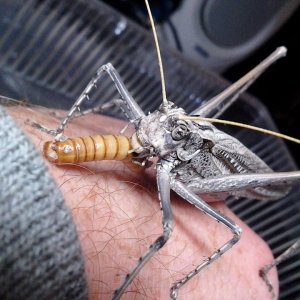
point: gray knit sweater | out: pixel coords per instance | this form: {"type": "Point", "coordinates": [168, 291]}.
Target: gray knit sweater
{"type": "Point", "coordinates": [40, 256]}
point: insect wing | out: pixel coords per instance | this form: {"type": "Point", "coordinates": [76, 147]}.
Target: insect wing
{"type": "Point", "coordinates": [221, 155]}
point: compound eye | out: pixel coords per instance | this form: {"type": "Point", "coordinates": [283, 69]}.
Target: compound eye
{"type": "Point", "coordinates": [180, 132]}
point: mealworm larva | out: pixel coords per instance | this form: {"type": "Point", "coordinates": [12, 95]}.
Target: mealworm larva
{"type": "Point", "coordinates": [89, 148]}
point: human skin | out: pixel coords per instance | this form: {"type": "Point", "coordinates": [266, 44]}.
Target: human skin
{"type": "Point", "coordinates": [117, 215]}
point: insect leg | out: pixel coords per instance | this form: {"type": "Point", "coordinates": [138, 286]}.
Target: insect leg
{"type": "Point", "coordinates": [53, 132]}
{"type": "Point", "coordinates": [127, 104]}
{"type": "Point", "coordinates": [235, 90]}
{"type": "Point", "coordinates": [284, 256]}
{"type": "Point", "coordinates": [97, 109]}
{"type": "Point", "coordinates": [189, 196]}
{"type": "Point", "coordinates": [163, 183]}
{"type": "Point", "coordinates": [228, 183]}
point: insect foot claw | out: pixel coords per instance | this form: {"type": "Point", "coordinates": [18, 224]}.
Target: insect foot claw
{"type": "Point", "coordinates": [59, 136]}
{"type": "Point", "coordinates": [173, 293]}
{"type": "Point", "coordinates": [40, 127]}
{"type": "Point", "coordinates": [263, 273]}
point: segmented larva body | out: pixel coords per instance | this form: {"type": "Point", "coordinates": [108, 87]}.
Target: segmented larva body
{"type": "Point", "coordinates": [89, 148]}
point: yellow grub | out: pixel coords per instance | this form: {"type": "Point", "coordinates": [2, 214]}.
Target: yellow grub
{"type": "Point", "coordinates": [89, 148]}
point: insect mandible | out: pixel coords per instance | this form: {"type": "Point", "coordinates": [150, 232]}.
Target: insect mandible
{"type": "Point", "coordinates": [194, 157]}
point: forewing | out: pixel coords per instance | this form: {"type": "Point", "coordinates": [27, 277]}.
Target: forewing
{"type": "Point", "coordinates": [221, 155]}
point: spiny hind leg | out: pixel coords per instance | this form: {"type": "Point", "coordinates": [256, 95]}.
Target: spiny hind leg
{"type": "Point", "coordinates": [94, 110]}
{"type": "Point", "coordinates": [98, 109]}
{"type": "Point", "coordinates": [126, 103]}
{"type": "Point", "coordinates": [227, 97]}
{"type": "Point", "coordinates": [192, 198]}
{"type": "Point", "coordinates": [53, 132]}
{"type": "Point", "coordinates": [264, 272]}
{"type": "Point", "coordinates": [163, 183]}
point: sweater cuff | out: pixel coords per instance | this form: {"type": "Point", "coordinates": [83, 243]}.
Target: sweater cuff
{"type": "Point", "coordinates": [40, 255]}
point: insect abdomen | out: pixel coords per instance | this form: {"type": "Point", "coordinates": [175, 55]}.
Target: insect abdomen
{"type": "Point", "coordinates": [89, 148]}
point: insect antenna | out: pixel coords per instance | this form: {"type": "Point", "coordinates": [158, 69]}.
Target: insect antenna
{"type": "Point", "coordinates": [161, 69]}
{"type": "Point", "coordinates": [242, 125]}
